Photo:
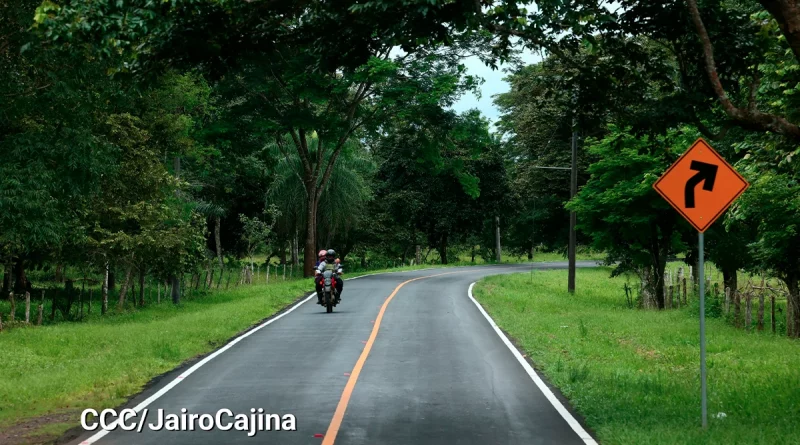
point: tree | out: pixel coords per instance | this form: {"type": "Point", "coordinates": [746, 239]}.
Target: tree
{"type": "Point", "coordinates": [298, 80]}
{"type": "Point", "coordinates": [772, 207]}
{"type": "Point", "coordinates": [256, 232]}
{"type": "Point", "coordinates": [441, 176]}
{"type": "Point", "coordinates": [53, 151]}
{"type": "Point", "coordinates": [342, 204]}
{"type": "Point", "coordinates": [537, 123]}
{"type": "Point", "coordinates": [622, 213]}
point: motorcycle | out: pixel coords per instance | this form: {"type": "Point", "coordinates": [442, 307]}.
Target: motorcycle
{"type": "Point", "coordinates": [330, 298]}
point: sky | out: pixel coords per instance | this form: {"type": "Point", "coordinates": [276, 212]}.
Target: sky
{"type": "Point", "coordinates": [493, 84]}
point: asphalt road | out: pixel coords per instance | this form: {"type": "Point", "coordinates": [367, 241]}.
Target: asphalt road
{"type": "Point", "coordinates": [435, 371]}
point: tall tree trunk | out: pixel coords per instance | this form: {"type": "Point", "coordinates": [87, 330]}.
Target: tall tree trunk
{"type": "Point", "coordinates": [443, 250]}
{"type": "Point", "coordinates": [141, 286]}
{"type": "Point", "coordinates": [176, 289]}
{"type": "Point", "coordinates": [112, 278]}
{"type": "Point", "coordinates": [787, 14]}
{"type": "Point", "coordinates": [729, 278]}
{"type": "Point", "coordinates": [309, 254]}
{"type": "Point", "coordinates": [104, 308]}
{"type": "Point", "coordinates": [20, 279]}
{"type": "Point", "coordinates": [659, 251]}
{"type": "Point", "coordinates": [124, 291]}
{"type": "Point", "coordinates": [659, 276]}
{"type": "Point", "coordinates": [7, 278]}
{"type": "Point", "coordinates": [295, 249]}
{"type": "Point", "coordinates": [793, 283]}
{"type": "Point", "coordinates": [218, 241]}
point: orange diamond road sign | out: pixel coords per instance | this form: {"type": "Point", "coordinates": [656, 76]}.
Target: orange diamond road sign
{"type": "Point", "coordinates": [701, 185]}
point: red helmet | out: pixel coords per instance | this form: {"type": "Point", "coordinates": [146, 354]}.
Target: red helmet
{"type": "Point", "coordinates": [322, 253]}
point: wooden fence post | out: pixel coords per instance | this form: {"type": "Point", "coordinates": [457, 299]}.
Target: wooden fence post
{"type": "Point", "coordinates": [13, 314]}
{"type": "Point", "coordinates": [772, 314]}
{"type": "Point", "coordinates": [737, 308]}
{"type": "Point", "coordinates": [267, 273]}
{"type": "Point", "coordinates": [27, 307]}
{"type": "Point", "coordinates": [760, 310]}
{"type": "Point", "coordinates": [685, 296]}
{"type": "Point", "coordinates": [284, 271]}
{"type": "Point", "coordinates": [39, 318]}
{"type": "Point", "coordinates": [748, 311]}
{"type": "Point", "coordinates": [669, 298]}
{"type": "Point", "coordinates": [89, 309]}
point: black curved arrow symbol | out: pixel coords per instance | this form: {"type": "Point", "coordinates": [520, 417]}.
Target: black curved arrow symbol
{"type": "Point", "coordinates": [706, 173]}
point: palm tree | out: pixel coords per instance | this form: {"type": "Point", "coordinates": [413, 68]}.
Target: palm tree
{"type": "Point", "coordinates": [344, 198]}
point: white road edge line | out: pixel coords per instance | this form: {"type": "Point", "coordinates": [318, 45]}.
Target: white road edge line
{"type": "Point", "coordinates": [587, 438]}
{"type": "Point", "coordinates": [138, 408]}
{"type": "Point", "coordinates": [194, 368]}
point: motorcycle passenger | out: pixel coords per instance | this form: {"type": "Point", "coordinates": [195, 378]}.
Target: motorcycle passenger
{"type": "Point", "coordinates": [330, 258]}
{"type": "Point", "coordinates": [321, 257]}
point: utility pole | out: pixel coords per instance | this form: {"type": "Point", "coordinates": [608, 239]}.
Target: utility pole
{"type": "Point", "coordinates": [572, 216]}
{"type": "Point", "coordinates": [497, 238]}
{"type": "Point", "coordinates": [573, 191]}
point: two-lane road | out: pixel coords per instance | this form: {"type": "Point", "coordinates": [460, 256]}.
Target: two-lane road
{"type": "Point", "coordinates": [407, 358]}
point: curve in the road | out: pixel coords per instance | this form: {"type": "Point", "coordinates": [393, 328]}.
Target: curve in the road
{"type": "Point", "coordinates": [338, 416]}
{"type": "Point", "coordinates": [437, 373]}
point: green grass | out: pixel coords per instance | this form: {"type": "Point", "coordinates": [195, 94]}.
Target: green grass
{"type": "Point", "coordinates": [634, 374]}
{"type": "Point", "coordinates": [100, 362]}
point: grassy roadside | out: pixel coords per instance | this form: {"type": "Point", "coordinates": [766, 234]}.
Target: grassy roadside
{"type": "Point", "coordinates": [634, 374]}
{"type": "Point", "coordinates": [57, 370]}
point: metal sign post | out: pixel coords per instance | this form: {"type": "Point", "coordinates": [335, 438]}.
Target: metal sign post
{"type": "Point", "coordinates": [701, 276]}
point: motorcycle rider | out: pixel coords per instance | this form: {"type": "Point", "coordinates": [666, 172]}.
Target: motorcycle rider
{"type": "Point", "coordinates": [330, 258]}
{"type": "Point", "coordinates": [317, 277]}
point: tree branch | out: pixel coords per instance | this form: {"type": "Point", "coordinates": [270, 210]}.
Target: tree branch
{"type": "Point", "coordinates": [750, 118]}
{"type": "Point", "coordinates": [303, 154]}
{"type": "Point", "coordinates": [328, 170]}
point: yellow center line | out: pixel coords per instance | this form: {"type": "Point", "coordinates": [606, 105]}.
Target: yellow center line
{"type": "Point", "coordinates": [338, 416]}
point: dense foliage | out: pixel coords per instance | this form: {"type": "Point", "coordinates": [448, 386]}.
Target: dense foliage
{"type": "Point", "coordinates": [165, 139]}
